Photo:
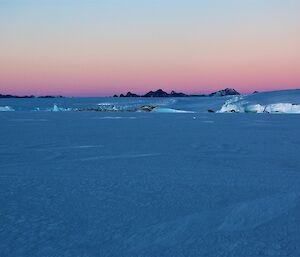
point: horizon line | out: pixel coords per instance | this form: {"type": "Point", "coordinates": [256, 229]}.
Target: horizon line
{"type": "Point", "coordinates": [131, 91]}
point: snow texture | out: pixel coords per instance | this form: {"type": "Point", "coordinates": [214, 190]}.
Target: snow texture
{"type": "Point", "coordinates": [148, 184]}
{"type": "Point", "coordinates": [269, 102]}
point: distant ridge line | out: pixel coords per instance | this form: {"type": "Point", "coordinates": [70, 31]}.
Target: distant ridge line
{"type": "Point", "coordinates": [157, 93]}
{"type": "Point", "coordinates": [162, 93]}
{"type": "Point", "coordinates": [30, 96]}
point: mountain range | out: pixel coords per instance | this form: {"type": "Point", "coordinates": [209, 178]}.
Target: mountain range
{"type": "Point", "coordinates": [161, 93]}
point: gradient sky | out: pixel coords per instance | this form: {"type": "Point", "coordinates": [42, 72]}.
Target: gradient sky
{"type": "Point", "coordinates": [94, 48]}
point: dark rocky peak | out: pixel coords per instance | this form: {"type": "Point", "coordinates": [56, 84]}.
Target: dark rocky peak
{"type": "Point", "coordinates": [157, 93]}
{"type": "Point", "coordinates": [129, 94]}
{"type": "Point", "coordinates": [225, 92]}
{"type": "Point", "coordinates": [175, 94]}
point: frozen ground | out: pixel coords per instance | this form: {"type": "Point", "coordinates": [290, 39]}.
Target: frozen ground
{"type": "Point", "coordinates": [161, 184]}
{"type": "Point", "coordinates": [149, 184]}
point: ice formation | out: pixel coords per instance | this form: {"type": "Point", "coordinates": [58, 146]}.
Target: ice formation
{"type": "Point", "coordinates": [237, 104]}
{"type": "Point", "coordinates": [56, 108]}
{"type": "Point", "coordinates": [169, 110]}
{"type": "Point", "coordinates": [6, 109]}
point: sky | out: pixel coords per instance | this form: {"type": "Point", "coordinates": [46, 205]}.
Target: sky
{"type": "Point", "coordinates": [105, 47]}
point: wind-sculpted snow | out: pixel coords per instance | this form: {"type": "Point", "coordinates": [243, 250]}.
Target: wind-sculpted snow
{"type": "Point", "coordinates": [282, 108]}
{"type": "Point", "coordinates": [143, 184]}
{"type": "Point", "coordinates": [264, 103]}
{"type": "Point", "coordinates": [244, 107]}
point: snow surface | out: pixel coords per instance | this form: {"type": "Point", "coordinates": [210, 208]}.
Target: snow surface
{"type": "Point", "coordinates": [148, 184]}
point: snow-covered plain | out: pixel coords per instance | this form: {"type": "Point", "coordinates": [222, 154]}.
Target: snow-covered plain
{"type": "Point", "coordinates": [148, 184]}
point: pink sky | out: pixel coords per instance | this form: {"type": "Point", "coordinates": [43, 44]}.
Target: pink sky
{"type": "Point", "coordinates": [103, 49]}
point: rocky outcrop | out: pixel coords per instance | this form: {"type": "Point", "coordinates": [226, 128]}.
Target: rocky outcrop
{"type": "Point", "coordinates": [175, 94]}
{"type": "Point", "coordinates": [15, 96]}
{"type": "Point", "coordinates": [129, 94]}
{"type": "Point", "coordinates": [146, 108]}
{"type": "Point", "coordinates": [157, 93]}
{"type": "Point", "coordinates": [225, 92]}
